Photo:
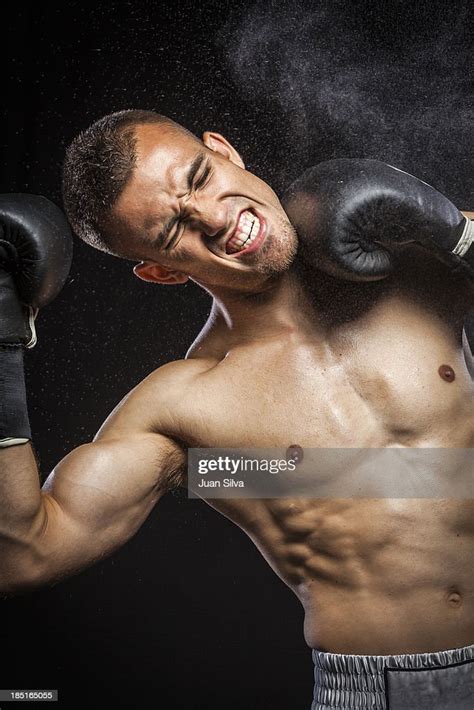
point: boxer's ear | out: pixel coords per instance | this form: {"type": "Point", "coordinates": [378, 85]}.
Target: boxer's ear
{"type": "Point", "coordinates": [219, 144]}
{"type": "Point", "coordinates": [151, 271]}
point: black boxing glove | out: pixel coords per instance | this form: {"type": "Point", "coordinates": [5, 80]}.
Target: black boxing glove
{"type": "Point", "coordinates": [350, 215]}
{"type": "Point", "coordinates": [35, 258]}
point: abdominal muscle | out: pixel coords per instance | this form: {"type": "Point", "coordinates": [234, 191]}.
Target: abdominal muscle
{"type": "Point", "coordinates": [374, 576]}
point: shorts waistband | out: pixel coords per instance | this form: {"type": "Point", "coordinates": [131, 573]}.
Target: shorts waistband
{"type": "Point", "coordinates": [350, 681]}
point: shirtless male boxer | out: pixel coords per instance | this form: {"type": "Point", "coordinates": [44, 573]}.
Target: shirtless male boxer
{"type": "Point", "coordinates": [354, 345]}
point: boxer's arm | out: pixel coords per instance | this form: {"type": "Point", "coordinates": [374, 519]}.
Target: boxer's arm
{"type": "Point", "coordinates": [92, 503]}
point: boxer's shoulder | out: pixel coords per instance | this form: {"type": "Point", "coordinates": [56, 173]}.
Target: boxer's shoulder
{"type": "Point", "coordinates": [170, 381]}
{"type": "Point", "coordinates": [152, 405]}
{"type": "Point", "coordinates": [175, 381]}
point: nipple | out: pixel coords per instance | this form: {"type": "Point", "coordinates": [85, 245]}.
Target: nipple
{"type": "Point", "coordinates": [454, 598]}
{"type": "Point", "coordinates": [294, 453]}
{"type": "Point", "coordinates": [446, 373]}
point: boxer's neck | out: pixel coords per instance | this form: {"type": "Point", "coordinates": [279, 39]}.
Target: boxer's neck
{"type": "Point", "coordinates": [281, 310]}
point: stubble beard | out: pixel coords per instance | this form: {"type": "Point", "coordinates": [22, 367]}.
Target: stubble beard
{"type": "Point", "coordinates": [274, 258]}
{"type": "Point", "coordinates": [278, 251]}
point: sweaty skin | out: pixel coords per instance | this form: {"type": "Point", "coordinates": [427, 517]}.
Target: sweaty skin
{"type": "Point", "coordinates": [291, 359]}
{"type": "Point", "coordinates": [374, 576]}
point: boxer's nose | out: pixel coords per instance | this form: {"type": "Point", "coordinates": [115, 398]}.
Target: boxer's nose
{"type": "Point", "coordinates": [209, 215]}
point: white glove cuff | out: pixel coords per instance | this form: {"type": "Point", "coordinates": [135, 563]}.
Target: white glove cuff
{"type": "Point", "coordinates": [11, 441]}
{"type": "Point", "coordinates": [467, 238]}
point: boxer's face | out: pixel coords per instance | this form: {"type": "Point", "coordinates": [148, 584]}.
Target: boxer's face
{"type": "Point", "coordinates": [192, 210]}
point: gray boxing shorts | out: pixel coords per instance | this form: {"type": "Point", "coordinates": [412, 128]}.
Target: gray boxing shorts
{"type": "Point", "coordinates": [418, 681]}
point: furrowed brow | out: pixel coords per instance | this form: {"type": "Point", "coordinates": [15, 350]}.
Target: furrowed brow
{"type": "Point", "coordinates": [159, 241]}
{"type": "Point", "coordinates": [195, 165]}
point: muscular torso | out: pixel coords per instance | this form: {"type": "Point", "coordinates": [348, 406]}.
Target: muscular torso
{"type": "Point", "coordinates": [375, 575]}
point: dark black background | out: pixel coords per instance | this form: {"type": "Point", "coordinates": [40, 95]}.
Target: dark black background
{"type": "Point", "coordinates": [188, 614]}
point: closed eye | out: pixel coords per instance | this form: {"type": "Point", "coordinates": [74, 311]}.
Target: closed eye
{"type": "Point", "coordinates": [202, 179]}
{"type": "Point", "coordinates": [196, 185]}
{"type": "Point", "coordinates": [177, 233]}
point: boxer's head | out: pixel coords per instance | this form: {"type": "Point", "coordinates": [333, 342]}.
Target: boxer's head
{"type": "Point", "coordinates": [140, 186]}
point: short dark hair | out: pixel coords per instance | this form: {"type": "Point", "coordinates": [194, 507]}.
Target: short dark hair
{"type": "Point", "coordinates": [97, 166]}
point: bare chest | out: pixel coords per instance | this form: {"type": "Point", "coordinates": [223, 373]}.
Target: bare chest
{"type": "Point", "coordinates": [387, 394]}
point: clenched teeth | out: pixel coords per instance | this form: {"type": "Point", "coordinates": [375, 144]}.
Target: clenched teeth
{"type": "Point", "coordinates": [247, 229]}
